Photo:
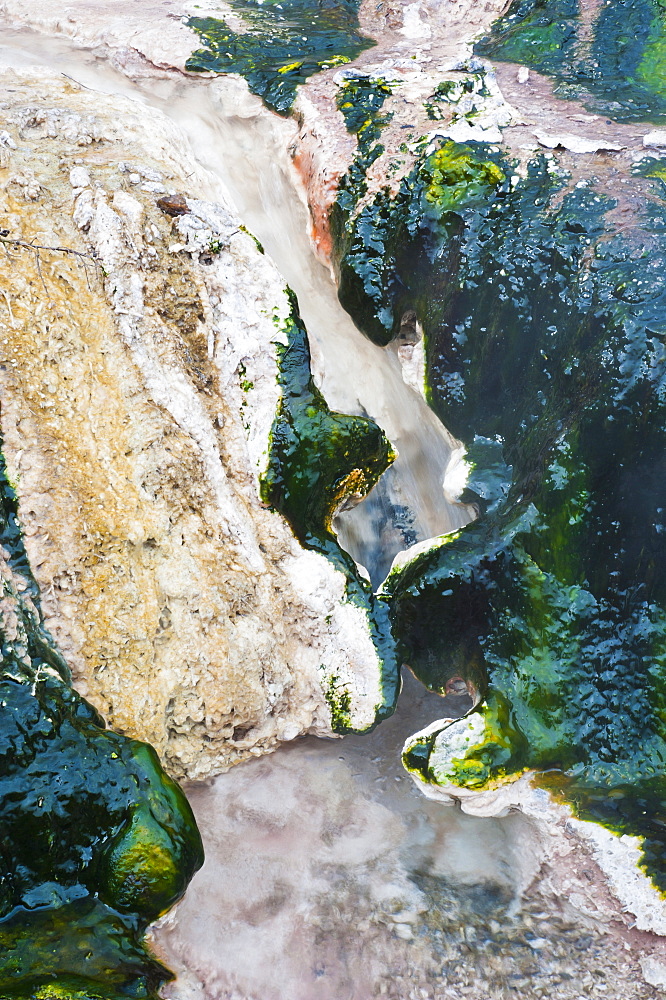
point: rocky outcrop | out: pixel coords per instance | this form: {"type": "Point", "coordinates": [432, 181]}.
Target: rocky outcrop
{"type": "Point", "coordinates": [95, 836]}
{"type": "Point", "coordinates": [205, 421]}
{"type": "Point", "coordinates": [139, 385]}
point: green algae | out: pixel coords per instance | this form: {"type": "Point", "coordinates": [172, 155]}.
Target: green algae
{"type": "Point", "coordinates": [96, 841]}
{"type": "Point", "coordinates": [320, 460]}
{"type": "Point", "coordinates": [615, 64]}
{"type": "Point", "coordinates": [545, 340]}
{"type": "Point", "coordinates": [370, 244]}
{"type": "Point", "coordinates": [282, 44]}
{"type": "Point", "coordinates": [360, 100]}
{"type": "Point", "coordinates": [339, 700]}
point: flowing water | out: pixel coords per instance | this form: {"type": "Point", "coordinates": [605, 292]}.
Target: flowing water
{"type": "Point", "coordinates": [329, 876]}
{"type": "Point", "coordinates": [246, 154]}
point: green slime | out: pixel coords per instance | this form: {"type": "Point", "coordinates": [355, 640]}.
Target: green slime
{"type": "Point", "coordinates": [285, 42]}
{"type": "Point", "coordinates": [616, 65]}
{"type": "Point", "coordinates": [545, 332]}
{"type": "Point", "coordinates": [96, 841]}
{"type": "Point", "coordinates": [360, 100]}
{"type": "Point", "coordinates": [320, 460]}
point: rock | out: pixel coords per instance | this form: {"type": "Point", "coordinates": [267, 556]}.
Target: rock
{"type": "Point", "coordinates": [79, 177]}
{"type": "Point", "coordinates": [464, 131]}
{"type": "Point", "coordinates": [153, 187]}
{"type": "Point", "coordinates": [83, 209]}
{"type": "Point", "coordinates": [137, 419]}
{"type": "Point", "coordinates": [617, 857]}
{"type": "Point", "coordinates": [655, 138]}
{"type": "Point", "coordinates": [130, 207]}
{"type": "Point", "coordinates": [654, 972]}
{"type": "Point", "coordinates": [173, 204]}
{"type": "Point", "coordinates": [414, 23]}
{"type": "Point", "coordinates": [27, 183]}
{"type": "Point", "coordinates": [575, 143]}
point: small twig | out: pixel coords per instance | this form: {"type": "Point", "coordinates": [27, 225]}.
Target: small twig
{"type": "Point", "coordinates": [9, 306]}
{"type": "Point", "coordinates": [7, 242]}
{"type": "Point", "coordinates": [31, 245]}
{"type": "Point", "coordinates": [39, 271]}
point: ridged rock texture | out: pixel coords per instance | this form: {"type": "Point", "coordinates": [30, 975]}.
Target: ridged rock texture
{"type": "Point", "coordinates": [139, 383]}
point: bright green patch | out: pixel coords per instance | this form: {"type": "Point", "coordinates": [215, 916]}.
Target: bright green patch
{"type": "Point", "coordinates": [616, 64]}
{"type": "Point", "coordinates": [339, 701]}
{"type": "Point", "coordinates": [454, 175]}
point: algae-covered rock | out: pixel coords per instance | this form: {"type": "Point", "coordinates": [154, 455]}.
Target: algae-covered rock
{"type": "Point", "coordinates": [320, 461]}
{"type": "Point", "coordinates": [611, 56]}
{"type": "Point", "coordinates": [279, 45]}
{"type": "Point", "coordinates": [543, 328]}
{"type": "Point", "coordinates": [375, 239]}
{"type": "Point", "coordinates": [97, 841]}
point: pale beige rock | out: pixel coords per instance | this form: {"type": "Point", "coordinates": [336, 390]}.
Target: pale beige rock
{"type": "Point", "coordinates": [655, 138]}
{"type": "Point", "coordinates": [190, 615]}
{"type": "Point", "coordinates": [574, 143]}
{"type": "Point", "coordinates": [654, 972]}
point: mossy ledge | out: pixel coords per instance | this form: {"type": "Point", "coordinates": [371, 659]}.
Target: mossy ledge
{"type": "Point", "coordinates": [96, 840]}
{"type": "Point", "coordinates": [318, 461]}
{"type": "Point", "coordinates": [285, 43]}
{"type": "Point", "coordinates": [544, 337]}
{"type": "Point", "coordinates": [616, 64]}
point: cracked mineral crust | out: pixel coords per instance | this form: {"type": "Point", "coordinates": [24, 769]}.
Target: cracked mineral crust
{"type": "Point", "coordinates": [190, 615]}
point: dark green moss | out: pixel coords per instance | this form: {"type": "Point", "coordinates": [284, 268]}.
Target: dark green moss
{"type": "Point", "coordinates": [320, 460]}
{"type": "Point", "coordinates": [545, 334]}
{"type": "Point", "coordinates": [360, 100]}
{"type": "Point", "coordinates": [285, 43]}
{"type": "Point", "coordinates": [339, 700]}
{"type": "Point", "coordinates": [616, 65]}
{"type": "Point", "coordinates": [95, 840]}
{"type": "Point", "coordinates": [370, 245]}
